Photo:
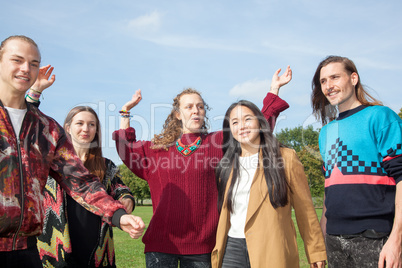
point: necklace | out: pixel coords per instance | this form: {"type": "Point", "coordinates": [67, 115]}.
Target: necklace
{"type": "Point", "coordinates": [187, 150]}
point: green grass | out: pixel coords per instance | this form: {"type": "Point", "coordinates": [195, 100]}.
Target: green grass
{"type": "Point", "coordinates": [130, 252]}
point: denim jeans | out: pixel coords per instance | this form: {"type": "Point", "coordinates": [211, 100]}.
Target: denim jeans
{"type": "Point", "coordinates": [236, 253]}
{"type": "Point", "coordinates": [353, 252]}
{"type": "Point", "coordinates": [164, 260]}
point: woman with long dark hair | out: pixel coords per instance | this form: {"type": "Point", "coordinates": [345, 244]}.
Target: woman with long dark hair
{"type": "Point", "coordinates": [179, 166]}
{"type": "Point", "coordinates": [259, 183]}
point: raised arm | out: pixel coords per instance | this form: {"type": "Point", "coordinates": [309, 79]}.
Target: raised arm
{"type": "Point", "coordinates": [125, 110]}
{"type": "Point", "coordinates": [273, 105]}
{"type": "Point", "coordinates": [45, 79]}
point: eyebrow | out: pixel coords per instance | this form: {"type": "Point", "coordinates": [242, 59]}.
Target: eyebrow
{"type": "Point", "coordinates": [235, 118]}
{"type": "Point", "coordinates": [20, 57]}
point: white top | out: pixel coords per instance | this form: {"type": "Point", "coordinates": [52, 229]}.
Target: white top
{"type": "Point", "coordinates": [241, 194]}
{"type": "Point", "coordinates": [16, 116]}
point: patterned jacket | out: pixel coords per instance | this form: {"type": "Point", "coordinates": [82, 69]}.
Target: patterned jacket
{"type": "Point", "coordinates": [55, 245]}
{"type": "Point", "coordinates": [26, 160]}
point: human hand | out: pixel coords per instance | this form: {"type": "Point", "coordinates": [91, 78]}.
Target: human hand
{"type": "Point", "coordinates": [133, 225]}
{"type": "Point", "coordinates": [319, 264]}
{"type": "Point", "coordinates": [133, 102]}
{"type": "Point", "coordinates": [390, 256]}
{"type": "Point", "coordinates": [43, 81]}
{"type": "Point", "coordinates": [279, 81]}
{"type": "Point", "coordinates": [128, 204]}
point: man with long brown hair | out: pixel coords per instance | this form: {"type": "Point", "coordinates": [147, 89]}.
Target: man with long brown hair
{"type": "Point", "coordinates": [360, 144]}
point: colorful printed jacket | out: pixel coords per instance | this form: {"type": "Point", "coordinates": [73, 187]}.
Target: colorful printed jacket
{"type": "Point", "coordinates": [55, 245]}
{"type": "Point", "coordinates": [41, 149]}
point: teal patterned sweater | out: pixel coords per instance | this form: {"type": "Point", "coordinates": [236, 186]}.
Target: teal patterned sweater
{"type": "Point", "coordinates": [362, 164]}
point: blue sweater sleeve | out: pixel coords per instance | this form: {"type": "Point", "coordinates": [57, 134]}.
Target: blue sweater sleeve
{"type": "Point", "coordinates": [389, 137]}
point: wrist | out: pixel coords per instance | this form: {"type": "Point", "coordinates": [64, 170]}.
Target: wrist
{"type": "Point", "coordinates": [274, 90]}
{"type": "Point", "coordinates": [124, 114]}
{"type": "Point", "coordinates": [36, 91]}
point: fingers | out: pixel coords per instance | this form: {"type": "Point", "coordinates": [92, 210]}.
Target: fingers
{"type": "Point", "coordinates": [381, 261]}
{"type": "Point", "coordinates": [49, 72]}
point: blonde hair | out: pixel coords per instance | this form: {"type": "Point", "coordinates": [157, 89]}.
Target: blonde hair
{"type": "Point", "coordinates": [17, 37]}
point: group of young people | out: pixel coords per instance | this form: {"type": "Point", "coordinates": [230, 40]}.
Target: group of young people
{"type": "Point", "coordinates": [220, 199]}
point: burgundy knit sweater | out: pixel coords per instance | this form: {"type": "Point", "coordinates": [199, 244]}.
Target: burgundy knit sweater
{"type": "Point", "coordinates": [183, 188]}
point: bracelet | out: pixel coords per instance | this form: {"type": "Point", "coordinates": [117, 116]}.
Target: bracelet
{"type": "Point", "coordinates": [31, 98]}
{"type": "Point", "coordinates": [124, 112]}
{"type": "Point", "coordinates": [36, 91]}
{"type": "Point", "coordinates": [126, 115]}
{"type": "Point", "coordinates": [37, 96]}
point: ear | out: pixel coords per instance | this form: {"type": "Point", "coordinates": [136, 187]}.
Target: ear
{"type": "Point", "coordinates": [355, 78]}
{"type": "Point", "coordinates": [178, 116]}
{"type": "Point", "coordinates": [68, 129]}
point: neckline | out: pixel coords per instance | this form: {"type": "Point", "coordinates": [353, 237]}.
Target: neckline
{"type": "Point", "coordinates": [187, 150]}
{"type": "Point", "coordinates": [350, 112]}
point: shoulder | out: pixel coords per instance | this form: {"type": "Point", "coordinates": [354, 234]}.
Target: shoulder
{"type": "Point", "coordinates": [289, 156]}
{"type": "Point", "coordinates": [382, 117]}
{"type": "Point", "coordinates": [110, 165]}
{"type": "Point", "coordinates": [44, 119]}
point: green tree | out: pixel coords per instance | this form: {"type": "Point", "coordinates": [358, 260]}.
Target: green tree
{"type": "Point", "coordinates": [138, 186]}
{"type": "Point", "coordinates": [311, 160]}
{"type": "Point", "coordinates": [298, 137]}
{"type": "Point", "coordinates": [400, 113]}
{"type": "Point", "coordinates": [305, 142]}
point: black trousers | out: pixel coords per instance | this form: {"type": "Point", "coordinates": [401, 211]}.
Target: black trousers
{"type": "Point", "coordinates": [26, 258]}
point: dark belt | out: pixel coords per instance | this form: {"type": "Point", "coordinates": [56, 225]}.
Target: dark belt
{"type": "Point", "coordinates": [369, 233]}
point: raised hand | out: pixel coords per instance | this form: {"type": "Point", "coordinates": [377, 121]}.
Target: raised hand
{"type": "Point", "coordinates": [279, 81]}
{"type": "Point", "coordinates": [43, 81]}
{"type": "Point", "coordinates": [133, 102]}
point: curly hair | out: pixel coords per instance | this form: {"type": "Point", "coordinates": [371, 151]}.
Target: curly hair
{"type": "Point", "coordinates": [173, 127]}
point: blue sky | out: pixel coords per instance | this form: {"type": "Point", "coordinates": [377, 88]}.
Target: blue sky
{"type": "Point", "coordinates": [103, 51]}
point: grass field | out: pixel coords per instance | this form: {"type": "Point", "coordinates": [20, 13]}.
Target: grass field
{"type": "Point", "coordinates": [130, 252]}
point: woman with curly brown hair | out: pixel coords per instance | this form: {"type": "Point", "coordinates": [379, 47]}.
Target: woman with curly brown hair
{"type": "Point", "coordinates": [179, 166]}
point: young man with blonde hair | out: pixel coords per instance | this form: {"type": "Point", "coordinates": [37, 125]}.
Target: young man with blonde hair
{"type": "Point", "coordinates": [33, 146]}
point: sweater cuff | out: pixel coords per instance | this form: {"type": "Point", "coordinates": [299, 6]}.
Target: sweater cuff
{"type": "Point", "coordinates": [274, 102]}
{"type": "Point", "coordinates": [393, 167]}
{"type": "Point", "coordinates": [124, 134]}
{"type": "Point", "coordinates": [116, 217]}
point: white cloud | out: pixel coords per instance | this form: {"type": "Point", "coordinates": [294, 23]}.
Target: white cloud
{"type": "Point", "coordinates": [147, 23]}
{"type": "Point", "coordinates": [252, 89]}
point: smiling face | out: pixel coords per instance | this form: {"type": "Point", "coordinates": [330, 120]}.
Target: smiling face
{"type": "Point", "coordinates": [191, 113]}
{"type": "Point", "coordinates": [19, 66]}
{"type": "Point", "coordinates": [245, 128]}
{"type": "Point", "coordinates": [82, 129]}
{"type": "Point", "coordinates": [338, 86]}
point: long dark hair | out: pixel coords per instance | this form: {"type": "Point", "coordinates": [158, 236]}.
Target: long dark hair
{"type": "Point", "coordinates": [95, 162]}
{"type": "Point", "coordinates": [271, 159]}
{"type": "Point", "coordinates": [322, 109]}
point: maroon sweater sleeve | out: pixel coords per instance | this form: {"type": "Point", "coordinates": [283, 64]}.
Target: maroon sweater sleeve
{"type": "Point", "coordinates": [133, 153]}
{"type": "Point", "coordinates": [273, 105]}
